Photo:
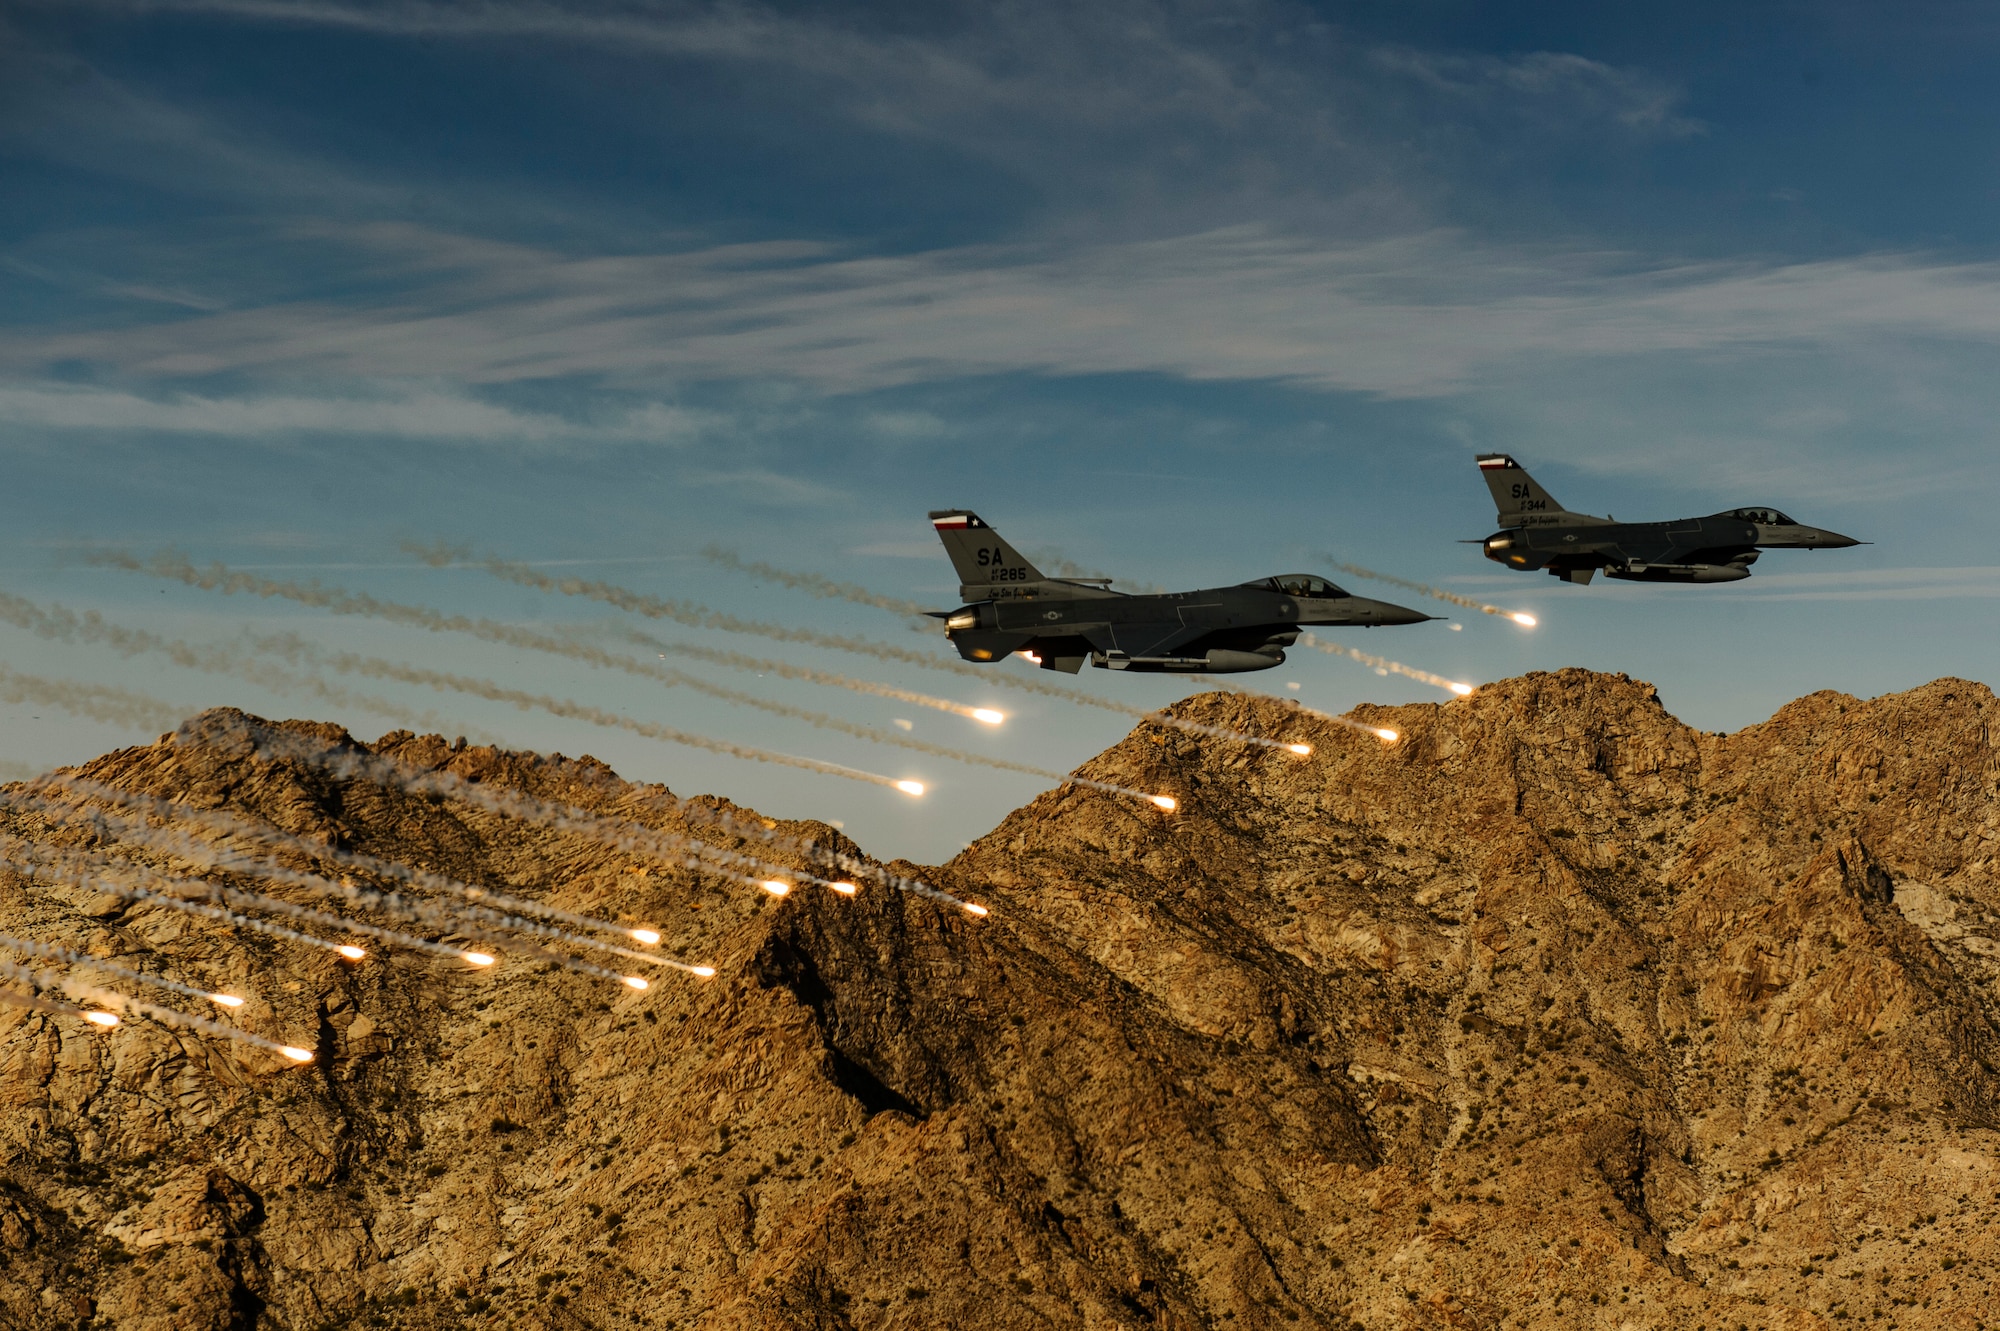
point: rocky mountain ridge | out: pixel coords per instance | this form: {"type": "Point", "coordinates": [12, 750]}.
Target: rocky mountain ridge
{"type": "Point", "coordinates": [1554, 1013]}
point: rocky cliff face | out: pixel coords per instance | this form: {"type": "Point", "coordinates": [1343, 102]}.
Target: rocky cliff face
{"type": "Point", "coordinates": [1556, 1013]}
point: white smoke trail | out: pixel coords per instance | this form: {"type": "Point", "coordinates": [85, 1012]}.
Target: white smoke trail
{"type": "Point", "coordinates": [36, 1003]}
{"type": "Point", "coordinates": [60, 624]}
{"type": "Point", "coordinates": [52, 952]}
{"type": "Point", "coordinates": [1383, 665]}
{"type": "Point", "coordinates": [1425, 589]}
{"type": "Point", "coordinates": [299, 650]}
{"type": "Point", "coordinates": [232, 825]}
{"type": "Point", "coordinates": [811, 583]}
{"type": "Point", "coordinates": [63, 623]}
{"type": "Point", "coordinates": [470, 920]}
{"type": "Point", "coordinates": [99, 703]}
{"type": "Point", "coordinates": [98, 874]}
{"type": "Point", "coordinates": [786, 670]}
{"type": "Point", "coordinates": [1382, 733]}
{"type": "Point", "coordinates": [570, 709]}
{"type": "Point", "coordinates": [271, 743]}
{"type": "Point", "coordinates": [340, 601]}
{"type": "Point", "coordinates": [700, 616]}
{"type": "Point", "coordinates": [1167, 802]}
{"type": "Point", "coordinates": [166, 1016]}
{"type": "Point", "coordinates": [23, 858]}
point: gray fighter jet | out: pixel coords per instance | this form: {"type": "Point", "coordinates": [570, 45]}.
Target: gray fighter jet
{"type": "Point", "coordinates": [1059, 623]}
{"type": "Point", "coordinates": [1537, 532]}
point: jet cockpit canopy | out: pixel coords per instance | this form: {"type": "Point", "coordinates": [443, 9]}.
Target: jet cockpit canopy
{"type": "Point", "coordinates": [1299, 584]}
{"type": "Point", "coordinates": [1763, 517]}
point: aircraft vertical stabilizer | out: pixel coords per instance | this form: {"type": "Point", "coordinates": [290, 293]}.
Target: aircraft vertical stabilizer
{"type": "Point", "coordinates": [1517, 496]}
{"type": "Point", "coordinates": [981, 556]}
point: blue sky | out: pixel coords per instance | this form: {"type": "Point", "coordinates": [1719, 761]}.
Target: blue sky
{"type": "Point", "coordinates": [1183, 293]}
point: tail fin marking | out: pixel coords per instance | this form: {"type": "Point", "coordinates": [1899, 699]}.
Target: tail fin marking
{"type": "Point", "coordinates": [983, 559]}
{"type": "Point", "coordinates": [1519, 498]}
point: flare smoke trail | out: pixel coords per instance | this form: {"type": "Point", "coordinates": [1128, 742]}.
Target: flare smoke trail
{"type": "Point", "coordinates": [787, 670]}
{"type": "Point", "coordinates": [60, 624]}
{"type": "Point", "coordinates": [348, 662]}
{"type": "Point", "coordinates": [492, 926]}
{"type": "Point", "coordinates": [1379, 732]}
{"type": "Point", "coordinates": [298, 650]}
{"type": "Point", "coordinates": [476, 921]}
{"type": "Point", "coordinates": [36, 1003]}
{"type": "Point", "coordinates": [166, 1016]}
{"type": "Point", "coordinates": [118, 706]}
{"type": "Point", "coordinates": [618, 833]}
{"type": "Point", "coordinates": [340, 601]}
{"type": "Point", "coordinates": [1224, 732]}
{"type": "Point", "coordinates": [701, 616]}
{"type": "Point", "coordinates": [1386, 666]}
{"type": "Point", "coordinates": [564, 707]}
{"type": "Point", "coordinates": [23, 861]}
{"type": "Point", "coordinates": [231, 825]}
{"type": "Point", "coordinates": [1439, 593]}
{"type": "Point", "coordinates": [51, 952]}
{"type": "Point", "coordinates": [91, 873]}
{"type": "Point", "coordinates": [811, 583]}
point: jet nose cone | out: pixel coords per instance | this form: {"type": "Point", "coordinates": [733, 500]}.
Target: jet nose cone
{"type": "Point", "coordinates": [1833, 540]}
{"type": "Point", "coordinates": [1382, 612]}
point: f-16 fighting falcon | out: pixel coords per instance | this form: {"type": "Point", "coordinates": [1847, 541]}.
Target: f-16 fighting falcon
{"type": "Point", "coordinates": [1059, 623]}
{"type": "Point", "coordinates": [1537, 532]}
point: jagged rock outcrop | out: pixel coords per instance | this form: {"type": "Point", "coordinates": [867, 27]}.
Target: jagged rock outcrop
{"type": "Point", "coordinates": [1555, 1013]}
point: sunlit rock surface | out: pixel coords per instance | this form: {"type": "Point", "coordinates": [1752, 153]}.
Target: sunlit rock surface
{"type": "Point", "coordinates": [1555, 1013]}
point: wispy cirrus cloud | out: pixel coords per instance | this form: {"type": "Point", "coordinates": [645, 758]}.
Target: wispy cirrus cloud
{"type": "Point", "coordinates": [1428, 315]}
{"type": "Point", "coordinates": [1137, 117]}
{"type": "Point", "coordinates": [436, 415]}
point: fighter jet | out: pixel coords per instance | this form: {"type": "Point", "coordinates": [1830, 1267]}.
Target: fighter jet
{"type": "Point", "coordinates": [1059, 623]}
{"type": "Point", "coordinates": [1537, 532]}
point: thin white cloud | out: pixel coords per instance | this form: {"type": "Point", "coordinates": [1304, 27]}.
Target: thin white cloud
{"type": "Point", "coordinates": [1418, 316]}
{"type": "Point", "coordinates": [435, 415]}
{"type": "Point", "coordinates": [1127, 116]}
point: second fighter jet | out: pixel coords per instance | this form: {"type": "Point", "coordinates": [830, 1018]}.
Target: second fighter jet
{"type": "Point", "coordinates": [1059, 623]}
{"type": "Point", "coordinates": [1538, 533]}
